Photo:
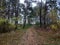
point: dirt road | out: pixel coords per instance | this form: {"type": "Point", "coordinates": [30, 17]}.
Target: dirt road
{"type": "Point", "coordinates": [29, 38]}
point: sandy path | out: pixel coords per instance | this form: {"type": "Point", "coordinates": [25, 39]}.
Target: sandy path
{"type": "Point", "coordinates": [29, 38]}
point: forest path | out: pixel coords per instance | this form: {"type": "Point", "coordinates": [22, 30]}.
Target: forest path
{"type": "Point", "coordinates": [29, 38]}
{"type": "Point", "coordinates": [32, 36]}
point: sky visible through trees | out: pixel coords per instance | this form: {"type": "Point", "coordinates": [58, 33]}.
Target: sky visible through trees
{"type": "Point", "coordinates": [22, 1]}
{"type": "Point", "coordinates": [34, 4]}
{"type": "Point", "coordinates": [28, 11]}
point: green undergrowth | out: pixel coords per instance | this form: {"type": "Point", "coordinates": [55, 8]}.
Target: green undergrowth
{"type": "Point", "coordinates": [5, 26]}
{"type": "Point", "coordinates": [20, 27]}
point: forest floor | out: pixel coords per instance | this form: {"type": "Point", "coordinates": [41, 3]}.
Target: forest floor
{"type": "Point", "coordinates": [31, 36]}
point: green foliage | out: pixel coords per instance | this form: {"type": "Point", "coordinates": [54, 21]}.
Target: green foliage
{"type": "Point", "coordinates": [58, 23]}
{"type": "Point", "coordinates": [5, 26]}
{"type": "Point", "coordinates": [27, 26]}
{"type": "Point", "coordinates": [37, 24]}
{"type": "Point", "coordinates": [54, 27]}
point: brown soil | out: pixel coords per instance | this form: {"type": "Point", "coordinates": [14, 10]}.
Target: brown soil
{"type": "Point", "coordinates": [29, 38]}
{"type": "Point", "coordinates": [32, 36]}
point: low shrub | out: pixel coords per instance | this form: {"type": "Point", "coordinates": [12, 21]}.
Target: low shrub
{"type": "Point", "coordinates": [37, 24]}
{"type": "Point", "coordinates": [58, 23]}
{"type": "Point", "coordinates": [54, 27]}
{"type": "Point", "coordinates": [5, 26]}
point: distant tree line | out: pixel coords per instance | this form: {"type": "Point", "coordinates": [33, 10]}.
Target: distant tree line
{"type": "Point", "coordinates": [47, 12]}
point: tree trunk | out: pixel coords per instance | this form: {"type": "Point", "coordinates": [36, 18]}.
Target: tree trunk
{"type": "Point", "coordinates": [41, 14]}
{"type": "Point", "coordinates": [24, 22]}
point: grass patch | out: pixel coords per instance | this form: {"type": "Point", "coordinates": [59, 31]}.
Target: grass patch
{"type": "Point", "coordinates": [11, 38]}
{"type": "Point", "coordinates": [20, 27]}
{"type": "Point", "coordinates": [48, 37]}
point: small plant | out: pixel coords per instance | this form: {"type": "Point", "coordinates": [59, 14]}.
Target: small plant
{"type": "Point", "coordinates": [54, 27]}
{"type": "Point", "coordinates": [5, 26]}
{"type": "Point", "coordinates": [37, 24]}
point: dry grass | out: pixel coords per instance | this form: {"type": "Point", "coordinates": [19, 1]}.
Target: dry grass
{"type": "Point", "coordinates": [48, 37]}
{"type": "Point", "coordinates": [12, 38]}
{"type": "Point", "coordinates": [32, 36]}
